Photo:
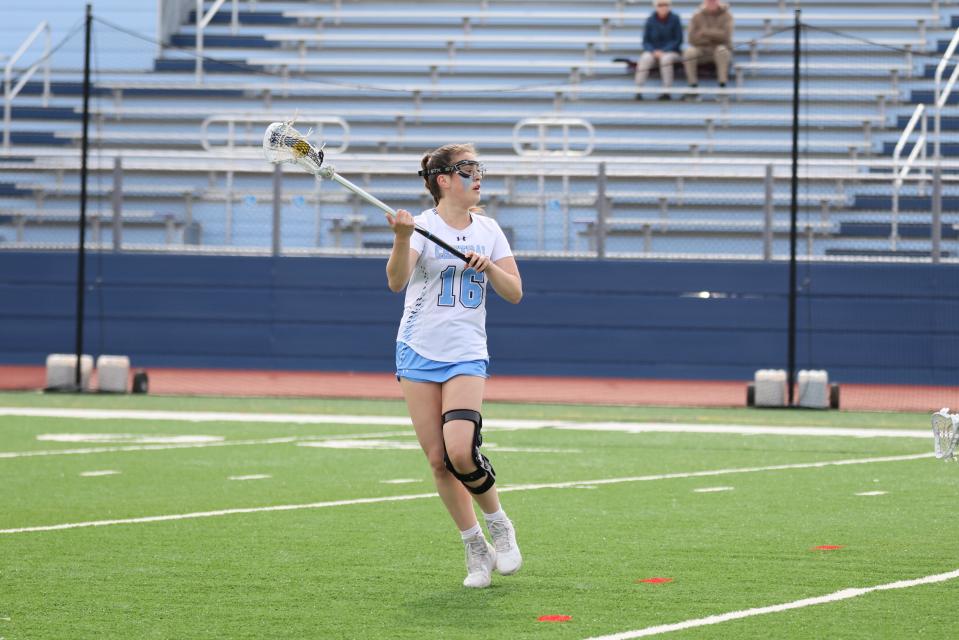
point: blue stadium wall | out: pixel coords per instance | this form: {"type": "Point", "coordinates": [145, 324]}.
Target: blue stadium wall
{"type": "Point", "coordinates": [879, 323]}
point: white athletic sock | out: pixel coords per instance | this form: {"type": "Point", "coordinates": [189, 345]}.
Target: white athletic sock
{"type": "Point", "coordinates": [495, 516]}
{"type": "Point", "coordinates": [472, 532]}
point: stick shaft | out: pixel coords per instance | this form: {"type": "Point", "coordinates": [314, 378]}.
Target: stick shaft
{"type": "Point", "coordinates": [376, 202]}
{"type": "Point", "coordinates": [429, 236]}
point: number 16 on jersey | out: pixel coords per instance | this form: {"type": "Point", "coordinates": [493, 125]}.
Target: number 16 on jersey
{"type": "Point", "coordinates": [464, 285]}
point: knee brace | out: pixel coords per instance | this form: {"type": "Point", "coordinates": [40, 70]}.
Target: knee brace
{"type": "Point", "coordinates": [483, 467]}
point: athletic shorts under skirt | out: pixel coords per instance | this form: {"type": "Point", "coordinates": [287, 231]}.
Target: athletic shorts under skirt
{"type": "Point", "coordinates": [413, 366]}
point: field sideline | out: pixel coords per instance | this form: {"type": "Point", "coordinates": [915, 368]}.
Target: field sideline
{"type": "Point", "coordinates": [175, 517]}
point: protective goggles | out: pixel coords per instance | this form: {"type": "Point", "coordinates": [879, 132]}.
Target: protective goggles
{"type": "Point", "coordinates": [465, 168]}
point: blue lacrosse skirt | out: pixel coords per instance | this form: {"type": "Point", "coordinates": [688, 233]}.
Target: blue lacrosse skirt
{"type": "Point", "coordinates": [413, 366]}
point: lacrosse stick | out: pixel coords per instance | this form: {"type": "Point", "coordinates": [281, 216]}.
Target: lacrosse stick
{"type": "Point", "coordinates": [945, 429]}
{"type": "Point", "coordinates": [283, 143]}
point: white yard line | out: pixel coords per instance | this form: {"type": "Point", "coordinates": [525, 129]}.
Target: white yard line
{"type": "Point", "coordinates": [202, 416]}
{"type": "Point", "coordinates": [492, 423]}
{"type": "Point", "coordinates": [844, 594]}
{"type": "Point", "coordinates": [716, 472]}
{"type": "Point", "coordinates": [199, 445]}
{"type": "Point", "coordinates": [526, 487]}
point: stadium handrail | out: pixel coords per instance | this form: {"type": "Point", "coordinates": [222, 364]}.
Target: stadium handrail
{"type": "Point", "coordinates": [314, 123]}
{"type": "Point", "coordinates": [202, 20]}
{"type": "Point", "coordinates": [940, 93]}
{"type": "Point", "coordinates": [10, 91]}
{"type": "Point", "coordinates": [901, 170]}
{"type": "Point", "coordinates": [564, 123]}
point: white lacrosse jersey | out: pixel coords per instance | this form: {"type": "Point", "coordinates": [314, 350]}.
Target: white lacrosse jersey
{"type": "Point", "coordinates": [444, 317]}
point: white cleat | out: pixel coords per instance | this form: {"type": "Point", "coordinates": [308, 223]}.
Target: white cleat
{"type": "Point", "coordinates": [508, 557]}
{"type": "Point", "coordinates": [480, 560]}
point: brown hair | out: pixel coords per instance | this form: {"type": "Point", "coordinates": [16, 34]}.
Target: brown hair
{"type": "Point", "coordinates": [441, 157]}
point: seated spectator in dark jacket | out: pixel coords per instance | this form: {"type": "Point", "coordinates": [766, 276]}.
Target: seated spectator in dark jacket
{"type": "Point", "coordinates": [662, 39]}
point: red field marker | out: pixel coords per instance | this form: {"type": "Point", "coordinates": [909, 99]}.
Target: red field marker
{"type": "Point", "coordinates": [554, 618]}
{"type": "Point", "coordinates": [654, 580]}
{"type": "Point", "coordinates": [827, 547]}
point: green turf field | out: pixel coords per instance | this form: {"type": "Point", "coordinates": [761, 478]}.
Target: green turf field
{"type": "Point", "coordinates": [141, 525]}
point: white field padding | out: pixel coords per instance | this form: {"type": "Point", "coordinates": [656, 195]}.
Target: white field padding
{"type": "Point", "coordinates": [844, 594]}
{"type": "Point", "coordinates": [506, 488]}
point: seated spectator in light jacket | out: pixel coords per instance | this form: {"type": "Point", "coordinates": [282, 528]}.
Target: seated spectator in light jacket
{"type": "Point", "coordinates": [662, 39]}
{"type": "Point", "coordinates": [710, 40]}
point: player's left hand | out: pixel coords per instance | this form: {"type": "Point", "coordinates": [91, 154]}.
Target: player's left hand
{"type": "Point", "coordinates": [477, 261]}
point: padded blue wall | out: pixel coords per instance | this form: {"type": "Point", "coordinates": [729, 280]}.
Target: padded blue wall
{"type": "Point", "coordinates": [863, 323]}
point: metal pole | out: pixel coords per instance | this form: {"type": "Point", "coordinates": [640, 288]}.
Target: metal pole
{"type": "Point", "coordinates": [81, 249]}
{"type": "Point", "coordinates": [228, 209]}
{"type": "Point", "coordinates": [768, 217]}
{"type": "Point", "coordinates": [937, 213]}
{"type": "Point", "coordinates": [793, 216]}
{"type": "Point", "coordinates": [117, 203]}
{"type": "Point", "coordinates": [601, 211]}
{"type": "Point", "coordinates": [277, 207]}
{"type": "Point", "coordinates": [198, 71]}
{"type": "Point", "coordinates": [936, 185]}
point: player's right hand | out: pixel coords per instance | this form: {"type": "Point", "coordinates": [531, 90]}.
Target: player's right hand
{"type": "Point", "coordinates": [401, 223]}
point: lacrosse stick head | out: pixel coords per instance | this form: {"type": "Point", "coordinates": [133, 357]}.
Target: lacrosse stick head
{"type": "Point", "coordinates": [283, 143]}
{"type": "Point", "coordinates": [945, 430]}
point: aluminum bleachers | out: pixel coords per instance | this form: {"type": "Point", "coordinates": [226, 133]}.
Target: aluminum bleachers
{"type": "Point", "coordinates": [409, 76]}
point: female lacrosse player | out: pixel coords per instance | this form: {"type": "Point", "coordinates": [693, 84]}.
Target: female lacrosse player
{"type": "Point", "coordinates": [441, 355]}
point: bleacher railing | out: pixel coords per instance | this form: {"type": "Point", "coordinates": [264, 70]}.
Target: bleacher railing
{"type": "Point", "coordinates": [314, 124]}
{"type": "Point", "coordinates": [941, 96]}
{"type": "Point", "coordinates": [10, 90]}
{"type": "Point", "coordinates": [900, 169]}
{"type": "Point", "coordinates": [543, 141]}
{"type": "Point", "coordinates": [942, 93]}
{"type": "Point", "coordinates": [230, 140]}
{"type": "Point", "coordinates": [203, 20]}
{"type": "Point", "coordinates": [545, 144]}
{"type": "Point", "coordinates": [325, 221]}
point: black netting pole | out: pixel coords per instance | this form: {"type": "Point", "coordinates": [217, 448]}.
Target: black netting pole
{"type": "Point", "coordinates": [81, 247]}
{"type": "Point", "coordinates": [793, 215]}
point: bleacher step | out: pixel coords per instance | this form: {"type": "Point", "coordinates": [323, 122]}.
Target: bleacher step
{"type": "Point", "coordinates": [212, 40]}
{"type": "Point", "coordinates": [247, 17]}
{"type": "Point", "coordinates": [906, 230]}
{"type": "Point", "coordinates": [906, 203]}
{"type": "Point", "coordinates": [883, 253]}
